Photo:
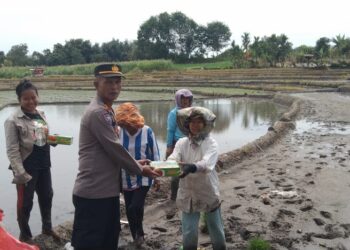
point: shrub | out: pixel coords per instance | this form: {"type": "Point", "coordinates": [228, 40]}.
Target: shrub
{"type": "Point", "coordinates": [258, 243]}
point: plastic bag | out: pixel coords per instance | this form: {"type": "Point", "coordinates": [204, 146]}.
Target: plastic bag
{"type": "Point", "coordinates": [8, 242]}
{"type": "Point", "coordinates": [68, 246]}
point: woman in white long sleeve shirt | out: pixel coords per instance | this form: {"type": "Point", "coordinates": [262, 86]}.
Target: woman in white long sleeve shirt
{"type": "Point", "coordinates": [198, 191]}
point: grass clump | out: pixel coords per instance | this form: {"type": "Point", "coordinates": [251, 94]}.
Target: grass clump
{"type": "Point", "coordinates": [204, 66]}
{"type": "Point", "coordinates": [87, 69]}
{"type": "Point", "coordinates": [14, 72]}
{"type": "Point", "coordinates": [258, 243]}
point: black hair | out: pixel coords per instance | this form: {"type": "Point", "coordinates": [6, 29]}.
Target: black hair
{"type": "Point", "coordinates": [24, 85]}
{"type": "Point", "coordinates": [189, 119]}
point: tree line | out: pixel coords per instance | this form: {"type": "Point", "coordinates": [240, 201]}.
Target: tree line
{"type": "Point", "coordinates": [270, 51]}
{"type": "Point", "coordinates": [179, 38]}
{"type": "Point", "coordinates": [166, 36]}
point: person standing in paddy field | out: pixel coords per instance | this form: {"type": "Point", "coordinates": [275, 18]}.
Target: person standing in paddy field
{"type": "Point", "coordinates": [140, 141]}
{"type": "Point", "coordinates": [101, 157]}
{"type": "Point", "coordinates": [26, 134]}
{"type": "Point", "coordinates": [183, 99]}
{"type": "Point", "coordinates": [197, 154]}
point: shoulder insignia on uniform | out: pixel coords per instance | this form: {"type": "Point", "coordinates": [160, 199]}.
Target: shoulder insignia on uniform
{"type": "Point", "coordinates": [108, 117]}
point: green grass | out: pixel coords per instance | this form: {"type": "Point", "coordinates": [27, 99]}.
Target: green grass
{"type": "Point", "coordinates": [138, 68]}
{"type": "Point", "coordinates": [213, 65]}
{"type": "Point", "coordinates": [87, 69]}
{"type": "Point", "coordinates": [258, 243]}
{"type": "Point", "coordinates": [148, 65]}
{"type": "Point", "coordinates": [128, 67]}
{"type": "Point", "coordinates": [14, 72]}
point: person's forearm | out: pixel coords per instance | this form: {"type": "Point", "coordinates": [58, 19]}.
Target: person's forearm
{"type": "Point", "coordinates": [169, 151]}
{"type": "Point", "coordinates": [210, 157]}
{"type": "Point", "coordinates": [170, 138]}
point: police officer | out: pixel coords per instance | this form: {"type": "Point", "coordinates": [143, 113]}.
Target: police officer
{"type": "Point", "coordinates": [101, 157]}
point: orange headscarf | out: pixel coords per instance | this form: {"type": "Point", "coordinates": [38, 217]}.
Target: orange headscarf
{"type": "Point", "coordinates": [128, 113]}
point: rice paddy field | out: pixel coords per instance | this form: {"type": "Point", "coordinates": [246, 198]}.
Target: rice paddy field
{"type": "Point", "coordinates": [158, 80]}
{"type": "Point", "coordinates": [289, 164]}
{"type": "Point", "coordinates": [82, 96]}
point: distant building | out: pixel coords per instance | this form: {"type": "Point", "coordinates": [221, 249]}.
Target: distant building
{"type": "Point", "coordinates": [37, 71]}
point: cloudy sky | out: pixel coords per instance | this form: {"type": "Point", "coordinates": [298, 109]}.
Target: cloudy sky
{"type": "Point", "coordinates": [42, 23]}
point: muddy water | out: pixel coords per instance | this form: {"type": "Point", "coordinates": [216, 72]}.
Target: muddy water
{"type": "Point", "coordinates": [238, 122]}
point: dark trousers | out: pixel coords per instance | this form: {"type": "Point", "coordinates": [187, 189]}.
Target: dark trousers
{"type": "Point", "coordinates": [174, 186]}
{"type": "Point", "coordinates": [96, 223]}
{"type": "Point", "coordinates": [41, 184]}
{"type": "Point", "coordinates": [134, 204]}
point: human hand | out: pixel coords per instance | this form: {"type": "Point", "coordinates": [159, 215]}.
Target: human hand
{"type": "Point", "coordinates": [148, 171]}
{"type": "Point", "coordinates": [22, 178]}
{"type": "Point", "coordinates": [51, 138]}
{"type": "Point", "coordinates": [54, 144]}
{"type": "Point", "coordinates": [186, 169]}
{"type": "Point", "coordinates": [144, 162]}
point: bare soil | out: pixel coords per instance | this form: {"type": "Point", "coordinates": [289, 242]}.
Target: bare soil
{"type": "Point", "coordinates": [294, 194]}
{"type": "Point", "coordinates": [314, 164]}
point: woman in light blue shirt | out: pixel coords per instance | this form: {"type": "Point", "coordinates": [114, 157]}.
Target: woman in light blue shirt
{"type": "Point", "coordinates": [183, 99]}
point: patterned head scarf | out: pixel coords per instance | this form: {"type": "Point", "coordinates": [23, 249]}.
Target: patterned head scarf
{"type": "Point", "coordinates": [183, 93]}
{"type": "Point", "coordinates": [127, 113]}
{"type": "Point", "coordinates": [183, 119]}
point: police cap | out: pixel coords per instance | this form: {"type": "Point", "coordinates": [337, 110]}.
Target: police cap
{"type": "Point", "coordinates": [109, 70]}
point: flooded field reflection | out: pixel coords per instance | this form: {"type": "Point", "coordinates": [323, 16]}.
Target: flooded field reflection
{"type": "Point", "coordinates": [239, 121]}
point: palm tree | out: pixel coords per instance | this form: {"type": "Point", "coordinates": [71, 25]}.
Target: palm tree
{"type": "Point", "coordinates": [245, 41]}
{"type": "Point", "coordinates": [255, 48]}
{"type": "Point", "coordinates": [339, 43]}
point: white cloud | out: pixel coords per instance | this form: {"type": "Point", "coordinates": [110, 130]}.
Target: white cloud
{"type": "Point", "coordinates": [42, 23]}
